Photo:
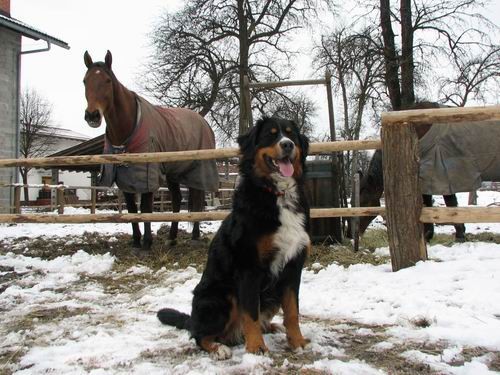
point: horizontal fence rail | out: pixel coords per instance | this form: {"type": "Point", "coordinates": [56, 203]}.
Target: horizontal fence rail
{"type": "Point", "coordinates": [439, 115]}
{"type": "Point", "coordinates": [165, 157]}
{"type": "Point", "coordinates": [159, 217]}
{"type": "Point", "coordinates": [444, 215]}
{"type": "Point", "coordinates": [429, 215]}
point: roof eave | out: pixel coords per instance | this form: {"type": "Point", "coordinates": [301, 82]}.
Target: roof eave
{"type": "Point", "coordinates": [31, 33]}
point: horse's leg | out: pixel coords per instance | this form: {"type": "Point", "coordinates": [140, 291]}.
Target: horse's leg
{"type": "Point", "coordinates": [428, 227]}
{"type": "Point", "coordinates": [196, 203]}
{"type": "Point", "coordinates": [132, 208]}
{"type": "Point", "coordinates": [147, 207]}
{"type": "Point", "coordinates": [175, 192]}
{"type": "Point", "coordinates": [451, 201]}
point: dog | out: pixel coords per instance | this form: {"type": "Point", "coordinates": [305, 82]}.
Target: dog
{"type": "Point", "coordinates": [256, 258]}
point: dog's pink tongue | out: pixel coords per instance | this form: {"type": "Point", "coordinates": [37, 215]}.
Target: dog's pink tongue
{"type": "Point", "coordinates": [286, 168]}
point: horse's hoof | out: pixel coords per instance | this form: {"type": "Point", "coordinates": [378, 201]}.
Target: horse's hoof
{"type": "Point", "coordinates": [136, 244]}
{"type": "Point", "coordinates": [460, 239]}
{"type": "Point", "coordinates": [171, 243]}
{"type": "Point", "coordinates": [147, 245]}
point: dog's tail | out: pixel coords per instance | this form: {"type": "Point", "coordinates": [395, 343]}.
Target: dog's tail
{"type": "Point", "coordinates": [174, 318]}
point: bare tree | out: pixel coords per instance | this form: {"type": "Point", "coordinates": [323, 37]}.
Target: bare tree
{"type": "Point", "coordinates": [475, 75]}
{"type": "Point", "coordinates": [355, 60]}
{"type": "Point", "coordinates": [203, 52]}
{"type": "Point", "coordinates": [430, 32]}
{"type": "Point", "coordinates": [37, 137]}
{"type": "Point", "coordinates": [296, 107]}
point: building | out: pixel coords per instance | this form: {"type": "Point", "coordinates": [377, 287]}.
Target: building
{"type": "Point", "coordinates": [61, 139]}
{"type": "Point", "coordinates": [11, 33]}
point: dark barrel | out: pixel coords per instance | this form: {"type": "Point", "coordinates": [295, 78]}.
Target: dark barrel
{"type": "Point", "coordinates": [320, 187]}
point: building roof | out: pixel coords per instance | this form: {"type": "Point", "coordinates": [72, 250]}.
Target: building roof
{"type": "Point", "coordinates": [63, 133]}
{"type": "Point", "coordinates": [29, 31]}
{"type": "Point", "coordinates": [93, 146]}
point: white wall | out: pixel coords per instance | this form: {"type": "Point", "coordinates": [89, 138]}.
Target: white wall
{"type": "Point", "coordinates": [68, 178]}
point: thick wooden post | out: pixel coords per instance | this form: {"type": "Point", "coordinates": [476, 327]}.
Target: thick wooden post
{"type": "Point", "coordinates": [403, 199]}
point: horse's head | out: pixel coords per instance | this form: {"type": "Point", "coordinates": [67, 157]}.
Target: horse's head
{"type": "Point", "coordinates": [98, 83]}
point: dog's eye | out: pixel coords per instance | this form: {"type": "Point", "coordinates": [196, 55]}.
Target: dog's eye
{"type": "Point", "coordinates": [288, 130]}
{"type": "Point", "coordinates": [274, 131]}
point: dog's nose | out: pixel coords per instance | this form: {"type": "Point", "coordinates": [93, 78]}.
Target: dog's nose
{"type": "Point", "coordinates": [287, 146]}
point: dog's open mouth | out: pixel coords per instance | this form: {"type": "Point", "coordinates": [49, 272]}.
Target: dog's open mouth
{"type": "Point", "coordinates": [283, 166]}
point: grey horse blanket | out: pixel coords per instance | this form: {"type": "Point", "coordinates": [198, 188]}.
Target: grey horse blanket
{"type": "Point", "coordinates": [458, 157]}
{"type": "Point", "coordinates": [161, 129]}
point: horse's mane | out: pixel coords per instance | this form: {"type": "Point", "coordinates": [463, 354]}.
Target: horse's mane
{"type": "Point", "coordinates": [374, 175]}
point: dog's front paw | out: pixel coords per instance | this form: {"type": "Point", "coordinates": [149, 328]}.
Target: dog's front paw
{"type": "Point", "coordinates": [257, 347]}
{"type": "Point", "coordinates": [221, 352]}
{"type": "Point", "coordinates": [297, 342]}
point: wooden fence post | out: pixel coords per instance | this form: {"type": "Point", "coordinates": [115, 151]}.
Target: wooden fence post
{"type": "Point", "coordinates": [60, 200]}
{"type": "Point", "coordinates": [93, 192]}
{"type": "Point", "coordinates": [355, 203]}
{"type": "Point", "coordinates": [17, 199]}
{"type": "Point", "coordinates": [403, 199]}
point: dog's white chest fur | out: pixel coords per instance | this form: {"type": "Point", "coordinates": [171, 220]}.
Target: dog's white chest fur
{"type": "Point", "coordinates": [291, 237]}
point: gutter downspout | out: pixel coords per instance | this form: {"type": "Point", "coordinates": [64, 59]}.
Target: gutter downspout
{"type": "Point", "coordinates": [18, 125]}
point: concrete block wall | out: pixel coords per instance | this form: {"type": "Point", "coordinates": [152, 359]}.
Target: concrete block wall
{"type": "Point", "coordinates": [10, 45]}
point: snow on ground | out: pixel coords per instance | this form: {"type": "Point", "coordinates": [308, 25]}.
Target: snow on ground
{"type": "Point", "coordinates": [80, 314]}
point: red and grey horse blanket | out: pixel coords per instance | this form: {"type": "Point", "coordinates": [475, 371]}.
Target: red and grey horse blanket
{"type": "Point", "coordinates": [162, 129]}
{"type": "Point", "coordinates": [458, 157]}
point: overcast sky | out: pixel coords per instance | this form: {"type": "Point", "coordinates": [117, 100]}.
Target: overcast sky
{"type": "Point", "coordinates": [122, 26]}
{"type": "Point", "coordinates": [94, 25]}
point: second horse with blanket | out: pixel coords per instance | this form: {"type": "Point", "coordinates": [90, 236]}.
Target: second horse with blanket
{"type": "Point", "coordinates": [134, 125]}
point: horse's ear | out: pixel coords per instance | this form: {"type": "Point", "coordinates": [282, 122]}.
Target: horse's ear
{"type": "Point", "coordinates": [87, 59]}
{"type": "Point", "coordinates": [108, 59]}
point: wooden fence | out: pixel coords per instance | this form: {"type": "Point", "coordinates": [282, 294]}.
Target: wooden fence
{"type": "Point", "coordinates": [60, 197]}
{"type": "Point", "coordinates": [403, 210]}
{"type": "Point", "coordinates": [403, 199]}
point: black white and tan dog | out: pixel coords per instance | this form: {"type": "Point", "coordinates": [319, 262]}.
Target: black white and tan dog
{"type": "Point", "coordinates": [255, 260]}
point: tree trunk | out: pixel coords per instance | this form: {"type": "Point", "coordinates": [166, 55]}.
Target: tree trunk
{"type": "Point", "coordinates": [390, 56]}
{"type": "Point", "coordinates": [403, 199]}
{"type": "Point", "coordinates": [245, 112]}
{"type": "Point", "coordinates": [24, 178]}
{"type": "Point", "coordinates": [407, 68]}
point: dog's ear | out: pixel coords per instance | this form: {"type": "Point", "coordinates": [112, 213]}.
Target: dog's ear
{"type": "Point", "coordinates": [248, 141]}
{"type": "Point", "coordinates": [303, 143]}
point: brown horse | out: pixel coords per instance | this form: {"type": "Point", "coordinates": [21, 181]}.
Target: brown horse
{"type": "Point", "coordinates": [134, 125]}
